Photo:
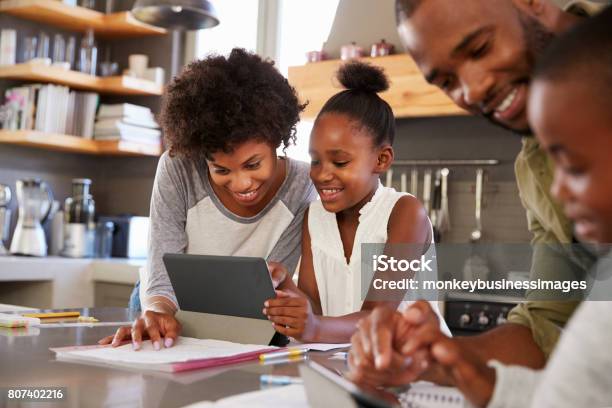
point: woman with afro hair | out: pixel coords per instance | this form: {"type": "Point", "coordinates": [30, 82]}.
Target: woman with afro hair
{"type": "Point", "coordinates": [221, 188]}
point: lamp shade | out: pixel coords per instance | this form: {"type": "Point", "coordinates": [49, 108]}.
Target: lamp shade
{"type": "Point", "coordinates": [182, 15]}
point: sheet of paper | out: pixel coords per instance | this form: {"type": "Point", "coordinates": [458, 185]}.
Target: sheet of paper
{"type": "Point", "coordinates": [185, 349]}
{"type": "Point", "coordinates": [289, 396]}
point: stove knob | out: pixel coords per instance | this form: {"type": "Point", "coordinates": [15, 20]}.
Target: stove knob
{"type": "Point", "coordinates": [501, 319]}
{"type": "Point", "coordinates": [465, 319]}
{"type": "Point", "coordinates": [483, 319]}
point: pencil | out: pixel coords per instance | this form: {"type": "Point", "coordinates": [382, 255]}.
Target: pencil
{"type": "Point", "coordinates": [283, 354]}
{"type": "Point", "coordinates": [52, 314]}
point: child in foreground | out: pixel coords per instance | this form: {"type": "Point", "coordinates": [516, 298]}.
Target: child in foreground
{"type": "Point", "coordinates": [350, 147]}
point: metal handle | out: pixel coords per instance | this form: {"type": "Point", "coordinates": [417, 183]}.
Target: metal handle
{"type": "Point", "coordinates": [389, 180]}
{"type": "Point", "coordinates": [414, 182]}
{"type": "Point", "coordinates": [427, 191]}
{"type": "Point", "coordinates": [46, 188]}
{"type": "Point", "coordinates": [404, 182]}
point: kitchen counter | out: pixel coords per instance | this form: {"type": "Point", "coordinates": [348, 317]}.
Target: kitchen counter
{"type": "Point", "coordinates": [28, 362]}
{"type": "Point", "coordinates": [56, 282]}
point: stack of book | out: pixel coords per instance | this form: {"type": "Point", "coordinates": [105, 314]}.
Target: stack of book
{"type": "Point", "coordinates": [132, 123]}
{"type": "Point", "coordinates": [52, 109]}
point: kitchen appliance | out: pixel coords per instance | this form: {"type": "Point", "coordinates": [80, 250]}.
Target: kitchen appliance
{"type": "Point", "coordinates": [176, 14]}
{"type": "Point", "coordinates": [130, 236]}
{"type": "Point", "coordinates": [5, 216]}
{"type": "Point", "coordinates": [79, 227]}
{"type": "Point", "coordinates": [470, 314]}
{"type": "Point", "coordinates": [34, 200]}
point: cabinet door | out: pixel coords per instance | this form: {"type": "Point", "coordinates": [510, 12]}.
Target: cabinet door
{"type": "Point", "coordinates": [409, 94]}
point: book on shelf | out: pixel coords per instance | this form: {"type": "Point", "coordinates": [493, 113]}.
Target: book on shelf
{"type": "Point", "coordinates": [52, 109]}
{"type": "Point", "coordinates": [114, 121]}
{"type": "Point", "coordinates": [126, 110]}
{"type": "Point", "coordinates": [120, 130]}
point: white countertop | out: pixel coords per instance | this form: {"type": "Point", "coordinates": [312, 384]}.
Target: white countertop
{"type": "Point", "coordinates": [70, 282]}
{"type": "Point", "coordinates": [114, 270]}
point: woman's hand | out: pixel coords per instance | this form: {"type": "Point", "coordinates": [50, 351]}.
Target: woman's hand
{"type": "Point", "coordinates": [292, 316]}
{"type": "Point", "coordinates": [278, 273]}
{"type": "Point", "coordinates": [150, 325]}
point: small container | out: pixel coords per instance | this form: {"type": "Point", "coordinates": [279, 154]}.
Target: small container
{"type": "Point", "coordinates": [315, 56]}
{"type": "Point", "coordinates": [381, 49]}
{"type": "Point", "coordinates": [103, 245]}
{"type": "Point", "coordinates": [350, 51]}
{"type": "Point", "coordinates": [108, 68]}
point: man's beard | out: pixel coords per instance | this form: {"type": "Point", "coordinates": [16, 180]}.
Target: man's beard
{"type": "Point", "coordinates": [537, 38]}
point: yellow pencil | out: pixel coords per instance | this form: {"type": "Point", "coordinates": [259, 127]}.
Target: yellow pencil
{"type": "Point", "coordinates": [52, 314]}
{"type": "Point", "coordinates": [283, 354]}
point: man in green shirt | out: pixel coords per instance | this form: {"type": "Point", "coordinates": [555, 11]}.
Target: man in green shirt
{"type": "Point", "coordinates": [481, 53]}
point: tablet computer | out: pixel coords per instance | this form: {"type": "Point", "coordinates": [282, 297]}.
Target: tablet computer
{"type": "Point", "coordinates": [325, 388]}
{"type": "Point", "coordinates": [221, 285]}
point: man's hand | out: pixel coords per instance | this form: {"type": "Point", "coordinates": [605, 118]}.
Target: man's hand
{"type": "Point", "coordinates": [151, 325]}
{"type": "Point", "coordinates": [292, 316]}
{"type": "Point", "coordinates": [374, 358]}
{"type": "Point", "coordinates": [470, 373]}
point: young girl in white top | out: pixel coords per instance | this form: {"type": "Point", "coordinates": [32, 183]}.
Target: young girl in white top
{"type": "Point", "coordinates": [350, 146]}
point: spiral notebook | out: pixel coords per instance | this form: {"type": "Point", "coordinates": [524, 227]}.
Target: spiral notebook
{"type": "Point", "coordinates": [428, 395]}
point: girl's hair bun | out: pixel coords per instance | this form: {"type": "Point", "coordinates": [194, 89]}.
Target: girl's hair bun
{"type": "Point", "coordinates": [359, 76]}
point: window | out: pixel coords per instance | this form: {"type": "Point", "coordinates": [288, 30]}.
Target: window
{"type": "Point", "coordinates": [237, 28]}
{"type": "Point", "coordinates": [303, 26]}
{"type": "Point", "coordinates": [283, 30]}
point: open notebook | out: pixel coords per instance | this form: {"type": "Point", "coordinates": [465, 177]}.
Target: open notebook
{"type": "Point", "coordinates": [187, 354]}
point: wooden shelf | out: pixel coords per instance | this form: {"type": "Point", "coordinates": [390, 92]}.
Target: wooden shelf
{"type": "Point", "coordinates": [121, 85]}
{"type": "Point", "coordinates": [74, 18]}
{"type": "Point", "coordinates": [75, 144]}
{"type": "Point", "coordinates": [409, 94]}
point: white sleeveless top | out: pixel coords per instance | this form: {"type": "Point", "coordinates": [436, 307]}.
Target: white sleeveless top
{"type": "Point", "coordinates": [339, 283]}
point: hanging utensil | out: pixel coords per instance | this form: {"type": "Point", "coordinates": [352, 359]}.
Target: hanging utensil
{"type": "Point", "coordinates": [436, 204]}
{"type": "Point", "coordinates": [427, 191]}
{"type": "Point", "coordinates": [404, 182]}
{"type": "Point", "coordinates": [477, 232]}
{"type": "Point", "coordinates": [444, 216]}
{"type": "Point", "coordinates": [389, 180]}
{"type": "Point", "coordinates": [414, 182]}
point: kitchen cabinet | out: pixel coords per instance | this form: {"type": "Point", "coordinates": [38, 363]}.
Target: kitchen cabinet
{"type": "Point", "coordinates": [409, 94]}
